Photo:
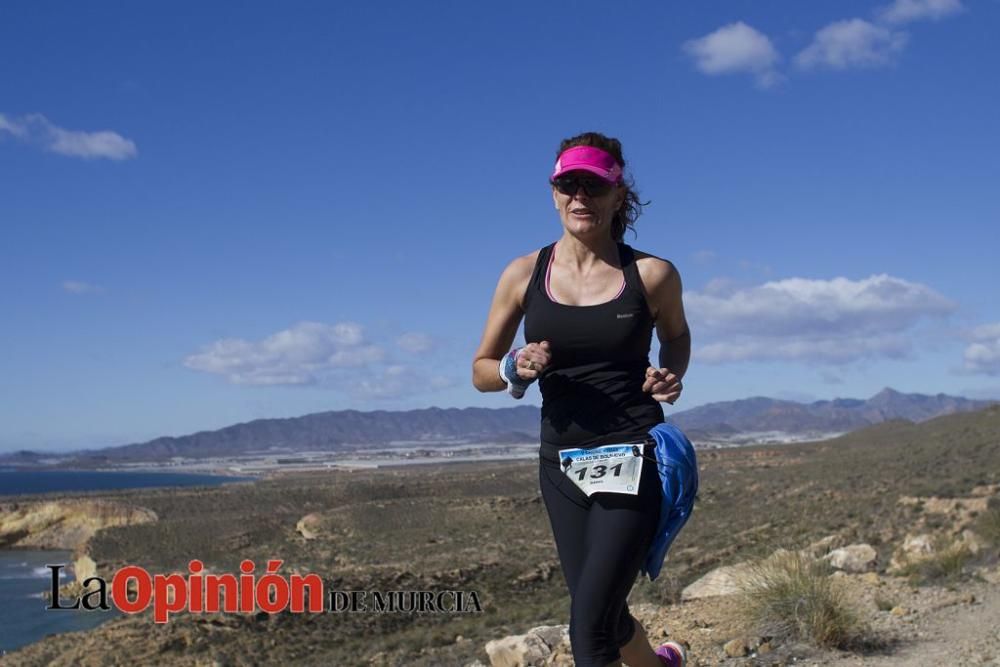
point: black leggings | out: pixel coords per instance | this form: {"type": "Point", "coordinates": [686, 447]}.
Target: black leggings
{"type": "Point", "coordinates": [602, 542]}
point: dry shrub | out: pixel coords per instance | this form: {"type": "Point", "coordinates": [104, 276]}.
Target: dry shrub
{"type": "Point", "coordinates": [883, 603]}
{"type": "Point", "coordinates": [988, 523]}
{"type": "Point", "coordinates": [792, 597]}
{"type": "Point", "coordinates": [945, 564]}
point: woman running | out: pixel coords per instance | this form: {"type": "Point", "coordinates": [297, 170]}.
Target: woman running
{"type": "Point", "coordinates": [589, 304]}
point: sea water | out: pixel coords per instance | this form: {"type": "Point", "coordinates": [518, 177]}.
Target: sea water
{"type": "Point", "coordinates": [15, 482]}
{"type": "Point", "coordinates": [24, 577]}
{"type": "Point", "coordinates": [23, 615]}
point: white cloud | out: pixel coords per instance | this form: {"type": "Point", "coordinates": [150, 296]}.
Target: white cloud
{"type": "Point", "coordinates": [12, 127]}
{"type": "Point", "coordinates": [874, 304]}
{"type": "Point", "coordinates": [851, 43]}
{"type": "Point", "coordinates": [104, 144]}
{"type": "Point", "coordinates": [303, 354]}
{"type": "Point", "coordinates": [36, 129]}
{"type": "Point", "coordinates": [904, 11]}
{"type": "Point", "coordinates": [77, 287]}
{"type": "Point", "coordinates": [829, 377]}
{"type": "Point", "coordinates": [397, 380]}
{"type": "Point", "coordinates": [981, 393]}
{"type": "Point", "coordinates": [986, 331]}
{"type": "Point", "coordinates": [720, 286]}
{"type": "Point", "coordinates": [704, 256]}
{"type": "Point", "coordinates": [759, 267]}
{"type": "Point", "coordinates": [415, 342]}
{"type": "Point", "coordinates": [796, 396]}
{"type": "Point", "coordinates": [799, 319]}
{"type": "Point", "coordinates": [736, 47]}
{"type": "Point", "coordinates": [816, 350]}
{"type": "Point", "coordinates": [982, 355]}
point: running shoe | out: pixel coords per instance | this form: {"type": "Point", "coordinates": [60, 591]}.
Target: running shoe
{"type": "Point", "coordinates": [672, 654]}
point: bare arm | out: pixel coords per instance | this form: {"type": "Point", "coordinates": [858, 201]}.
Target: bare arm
{"type": "Point", "coordinates": [671, 325]}
{"type": "Point", "coordinates": [504, 317]}
{"type": "Point", "coordinates": [664, 296]}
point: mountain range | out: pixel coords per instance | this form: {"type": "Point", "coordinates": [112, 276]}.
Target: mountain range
{"type": "Point", "coordinates": [841, 415]}
{"type": "Point", "coordinates": [347, 430]}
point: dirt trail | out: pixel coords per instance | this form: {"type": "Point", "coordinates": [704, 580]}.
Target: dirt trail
{"type": "Point", "coordinates": [945, 633]}
{"type": "Point", "coordinates": [928, 626]}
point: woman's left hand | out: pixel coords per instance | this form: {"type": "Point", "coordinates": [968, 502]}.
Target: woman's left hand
{"type": "Point", "coordinates": [662, 384]}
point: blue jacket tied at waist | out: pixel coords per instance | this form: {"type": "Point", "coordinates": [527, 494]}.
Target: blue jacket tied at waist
{"type": "Point", "coordinates": [678, 468]}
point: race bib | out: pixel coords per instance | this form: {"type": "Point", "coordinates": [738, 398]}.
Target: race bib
{"type": "Point", "coordinates": [611, 468]}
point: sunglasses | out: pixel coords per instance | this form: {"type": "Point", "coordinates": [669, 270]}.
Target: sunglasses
{"type": "Point", "coordinates": [593, 186]}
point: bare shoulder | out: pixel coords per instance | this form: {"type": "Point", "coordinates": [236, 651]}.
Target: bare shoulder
{"type": "Point", "coordinates": [655, 272]}
{"type": "Point", "coordinates": [516, 276]}
{"type": "Point", "coordinates": [661, 282]}
{"type": "Point", "coordinates": [518, 271]}
{"type": "Point", "coordinates": [521, 267]}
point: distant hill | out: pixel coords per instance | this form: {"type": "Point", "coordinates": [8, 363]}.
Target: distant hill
{"type": "Point", "coordinates": [840, 415]}
{"type": "Point", "coordinates": [347, 430]}
{"type": "Point", "coordinates": [342, 430]}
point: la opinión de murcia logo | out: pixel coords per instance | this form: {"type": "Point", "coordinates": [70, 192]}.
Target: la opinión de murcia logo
{"type": "Point", "coordinates": [200, 591]}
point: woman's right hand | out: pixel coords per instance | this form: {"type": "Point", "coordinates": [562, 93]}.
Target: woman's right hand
{"type": "Point", "coordinates": [533, 359]}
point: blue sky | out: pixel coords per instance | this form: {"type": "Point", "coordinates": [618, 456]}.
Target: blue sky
{"type": "Point", "coordinates": [214, 213]}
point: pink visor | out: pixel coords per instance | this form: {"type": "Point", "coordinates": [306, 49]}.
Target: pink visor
{"type": "Point", "coordinates": [589, 158]}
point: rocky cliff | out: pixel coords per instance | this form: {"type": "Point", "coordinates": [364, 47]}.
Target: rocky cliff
{"type": "Point", "coordinates": [63, 524]}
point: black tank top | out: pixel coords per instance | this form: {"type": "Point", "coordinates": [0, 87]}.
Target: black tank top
{"type": "Point", "coordinates": [592, 390]}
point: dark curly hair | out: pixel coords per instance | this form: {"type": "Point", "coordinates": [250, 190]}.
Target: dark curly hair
{"type": "Point", "coordinates": [631, 208]}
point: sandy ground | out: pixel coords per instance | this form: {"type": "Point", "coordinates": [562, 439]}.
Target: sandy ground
{"type": "Point", "coordinates": [952, 628]}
